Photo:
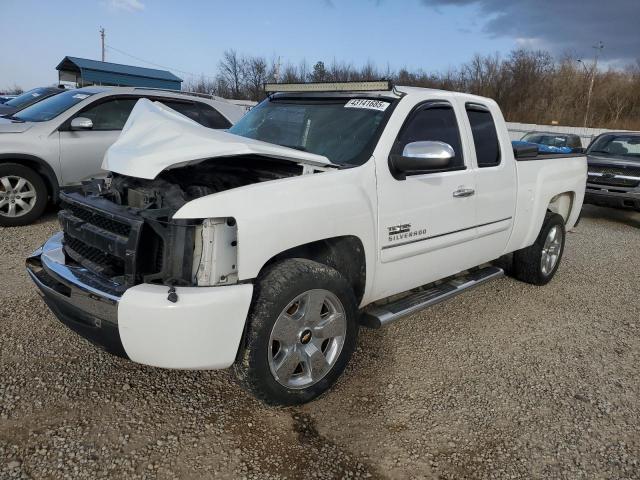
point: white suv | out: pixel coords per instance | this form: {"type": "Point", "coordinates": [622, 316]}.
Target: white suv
{"type": "Point", "coordinates": [60, 141]}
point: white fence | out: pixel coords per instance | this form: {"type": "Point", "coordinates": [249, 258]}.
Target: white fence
{"type": "Point", "coordinates": [517, 130]}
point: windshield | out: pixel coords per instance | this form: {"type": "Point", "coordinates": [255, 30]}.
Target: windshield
{"type": "Point", "coordinates": [27, 97]}
{"type": "Point", "coordinates": [550, 140]}
{"type": "Point", "coordinates": [51, 107]}
{"type": "Point", "coordinates": [339, 129]}
{"type": "Point", "coordinates": [617, 145]}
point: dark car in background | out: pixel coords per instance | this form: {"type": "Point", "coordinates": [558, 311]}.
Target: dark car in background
{"type": "Point", "coordinates": [555, 140]}
{"type": "Point", "coordinates": [614, 170]}
{"type": "Point", "coordinates": [27, 99]}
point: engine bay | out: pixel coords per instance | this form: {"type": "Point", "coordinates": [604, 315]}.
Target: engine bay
{"type": "Point", "coordinates": [173, 188]}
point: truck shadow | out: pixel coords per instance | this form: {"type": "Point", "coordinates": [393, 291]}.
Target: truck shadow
{"type": "Point", "coordinates": [626, 217]}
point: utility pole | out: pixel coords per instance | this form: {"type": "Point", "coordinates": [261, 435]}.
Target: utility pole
{"type": "Point", "coordinates": [102, 39]}
{"type": "Point", "coordinates": [594, 69]}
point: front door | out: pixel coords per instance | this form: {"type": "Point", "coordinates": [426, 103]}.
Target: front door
{"type": "Point", "coordinates": [426, 220]}
{"type": "Point", "coordinates": [81, 151]}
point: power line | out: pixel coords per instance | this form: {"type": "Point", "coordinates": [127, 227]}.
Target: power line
{"type": "Point", "coordinates": [213, 77]}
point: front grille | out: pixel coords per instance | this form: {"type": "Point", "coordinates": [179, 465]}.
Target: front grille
{"type": "Point", "coordinates": [98, 220]}
{"type": "Point", "coordinates": [609, 179]}
{"type": "Point", "coordinates": [93, 258]}
{"type": "Point", "coordinates": [125, 246]}
{"type": "Point", "coordinates": [102, 236]}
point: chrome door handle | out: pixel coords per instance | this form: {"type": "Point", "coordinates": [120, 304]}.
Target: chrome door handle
{"type": "Point", "coordinates": [464, 192]}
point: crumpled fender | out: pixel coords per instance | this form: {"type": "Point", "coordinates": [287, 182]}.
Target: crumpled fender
{"type": "Point", "coordinates": [278, 215]}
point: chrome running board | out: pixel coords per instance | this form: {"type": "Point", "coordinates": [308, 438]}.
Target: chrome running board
{"type": "Point", "coordinates": [376, 316]}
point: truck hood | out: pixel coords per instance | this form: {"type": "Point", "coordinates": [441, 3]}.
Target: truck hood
{"type": "Point", "coordinates": [8, 126]}
{"type": "Point", "coordinates": [156, 138]}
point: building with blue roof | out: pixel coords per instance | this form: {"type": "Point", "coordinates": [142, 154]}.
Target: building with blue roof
{"type": "Point", "coordinates": [84, 72]}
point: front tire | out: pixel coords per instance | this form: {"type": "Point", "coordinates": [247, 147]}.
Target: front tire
{"type": "Point", "coordinates": [23, 195]}
{"type": "Point", "coordinates": [301, 332]}
{"type": "Point", "coordinates": [538, 263]}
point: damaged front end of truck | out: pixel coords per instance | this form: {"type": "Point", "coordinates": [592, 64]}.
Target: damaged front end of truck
{"type": "Point", "coordinates": [122, 255]}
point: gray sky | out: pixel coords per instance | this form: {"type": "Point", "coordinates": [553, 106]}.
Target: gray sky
{"type": "Point", "coordinates": [561, 25]}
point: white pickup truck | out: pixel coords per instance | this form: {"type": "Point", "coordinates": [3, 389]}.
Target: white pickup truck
{"type": "Point", "coordinates": [326, 207]}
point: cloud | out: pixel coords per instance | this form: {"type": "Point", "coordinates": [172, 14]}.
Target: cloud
{"type": "Point", "coordinates": [126, 5]}
{"type": "Point", "coordinates": [561, 25]}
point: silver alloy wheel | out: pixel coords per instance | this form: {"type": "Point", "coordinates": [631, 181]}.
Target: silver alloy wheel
{"type": "Point", "coordinates": [551, 250]}
{"type": "Point", "coordinates": [307, 338]}
{"type": "Point", "coordinates": [17, 196]}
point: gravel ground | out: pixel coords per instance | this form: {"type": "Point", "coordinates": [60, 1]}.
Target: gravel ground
{"type": "Point", "coordinates": [507, 381]}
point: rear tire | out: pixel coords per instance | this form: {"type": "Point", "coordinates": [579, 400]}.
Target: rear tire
{"type": "Point", "coordinates": [23, 195]}
{"type": "Point", "coordinates": [301, 332]}
{"type": "Point", "coordinates": [538, 263]}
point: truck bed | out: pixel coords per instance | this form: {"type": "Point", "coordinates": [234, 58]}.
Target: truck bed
{"type": "Point", "coordinates": [548, 156]}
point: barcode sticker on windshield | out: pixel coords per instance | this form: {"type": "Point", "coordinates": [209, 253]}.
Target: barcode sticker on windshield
{"type": "Point", "coordinates": [80, 96]}
{"type": "Point", "coordinates": [367, 104]}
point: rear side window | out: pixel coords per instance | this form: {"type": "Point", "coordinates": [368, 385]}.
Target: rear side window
{"type": "Point", "coordinates": [485, 136]}
{"type": "Point", "coordinates": [211, 118]}
{"type": "Point", "coordinates": [199, 112]}
{"type": "Point", "coordinates": [432, 122]}
{"type": "Point", "coordinates": [188, 109]}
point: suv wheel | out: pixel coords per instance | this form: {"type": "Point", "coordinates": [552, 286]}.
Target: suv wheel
{"type": "Point", "coordinates": [23, 195]}
{"type": "Point", "coordinates": [301, 332]}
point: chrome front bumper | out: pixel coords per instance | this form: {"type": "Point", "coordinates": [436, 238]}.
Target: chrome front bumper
{"type": "Point", "coordinates": [202, 330]}
{"type": "Point", "coordinates": [76, 297]}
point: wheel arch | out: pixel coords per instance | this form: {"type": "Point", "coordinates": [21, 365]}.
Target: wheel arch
{"type": "Point", "coordinates": [346, 254]}
{"type": "Point", "coordinates": [39, 166]}
{"type": "Point", "coordinates": [562, 204]}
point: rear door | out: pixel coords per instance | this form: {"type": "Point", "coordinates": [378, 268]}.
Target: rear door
{"type": "Point", "coordinates": [495, 180]}
{"type": "Point", "coordinates": [82, 151]}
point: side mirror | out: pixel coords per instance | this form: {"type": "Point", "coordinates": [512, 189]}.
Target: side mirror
{"type": "Point", "coordinates": [421, 157]}
{"type": "Point", "coordinates": [81, 123]}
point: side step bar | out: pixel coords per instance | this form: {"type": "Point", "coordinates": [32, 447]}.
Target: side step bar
{"type": "Point", "coordinates": [378, 316]}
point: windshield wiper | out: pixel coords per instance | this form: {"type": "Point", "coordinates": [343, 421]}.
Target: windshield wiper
{"type": "Point", "coordinates": [599, 151]}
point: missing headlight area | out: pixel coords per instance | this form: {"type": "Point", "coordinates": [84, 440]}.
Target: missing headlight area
{"type": "Point", "coordinates": [216, 252]}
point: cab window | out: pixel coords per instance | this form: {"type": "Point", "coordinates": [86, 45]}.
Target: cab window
{"type": "Point", "coordinates": [485, 136]}
{"type": "Point", "coordinates": [433, 121]}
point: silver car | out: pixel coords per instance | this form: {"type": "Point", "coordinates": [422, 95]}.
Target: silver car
{"type": "Point", "coordinates": [61, 141]}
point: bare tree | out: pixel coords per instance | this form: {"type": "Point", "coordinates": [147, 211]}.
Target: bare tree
{"type": "Point", "coordinates": [232, 70]}
{"type": "Point", "coordinates": [15, 90]}
{"type": "Point", "coordinates": [530, 86]}
{"type": "Point", "coordinates": [201, 84]}
{"type": "Point", "coordinates": [256, 76]}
